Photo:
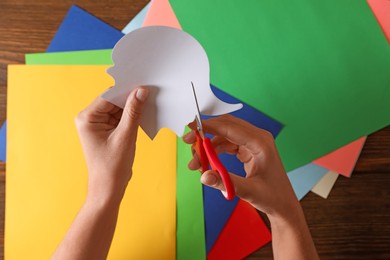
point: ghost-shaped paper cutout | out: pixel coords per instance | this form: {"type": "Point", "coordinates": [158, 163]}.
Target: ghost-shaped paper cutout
{"type": "Point", "coordinates": [166, 60]}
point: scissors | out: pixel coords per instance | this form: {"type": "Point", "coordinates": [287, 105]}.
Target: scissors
{"type": "Point", "coordinates": [207, 155]}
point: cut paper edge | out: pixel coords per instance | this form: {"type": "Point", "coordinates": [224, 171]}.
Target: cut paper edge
{"type": "Point", "coordinates": [184, 61]}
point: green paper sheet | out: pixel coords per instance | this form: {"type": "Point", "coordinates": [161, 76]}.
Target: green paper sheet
{"type": "Point", "coordinates": [319, 67]}
{"type": "Point", "coordinates": [190, 220]}
{"type": "Point", "coordinates": [190, 236]}
{"type": "Point", "coordinates": [93, 57]}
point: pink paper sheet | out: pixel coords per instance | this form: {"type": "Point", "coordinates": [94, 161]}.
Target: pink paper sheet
{"type": "Point", "coordinates": [161, 13]}
{"type": "Point", "coordinates": [342, 160]}
{"type": "Point", "coordinates": [381, 10]}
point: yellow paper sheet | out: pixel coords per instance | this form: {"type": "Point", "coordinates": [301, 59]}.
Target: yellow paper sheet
{"type": "Point", "coordinates": [325, 185]}
{"type": "Point", "coordinates": [47, 176]}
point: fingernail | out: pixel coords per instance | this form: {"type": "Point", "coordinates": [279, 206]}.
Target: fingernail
{"type": "Point", "coordinates": [209, 179]}
{"type": "Point", "coordinates": [186, 136]}
{"type": "Point", "coordinates": [142, 94]}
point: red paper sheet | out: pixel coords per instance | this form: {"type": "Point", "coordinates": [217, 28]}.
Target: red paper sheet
{"type": "Point", "coordinates": [342, 160]}
{"type": "Point", "coordinates": [381, 10]}
{"type": "Point", "coordinates": [243, 234]}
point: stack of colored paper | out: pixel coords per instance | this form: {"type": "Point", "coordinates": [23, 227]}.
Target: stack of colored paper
{"type": "Point", "coordinates": [313, 78]}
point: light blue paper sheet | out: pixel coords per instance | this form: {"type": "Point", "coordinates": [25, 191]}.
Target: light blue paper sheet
{"type": "Point", "coordinates": [304, 178]}
{"type": "Point", "coordinates": [137, 20]}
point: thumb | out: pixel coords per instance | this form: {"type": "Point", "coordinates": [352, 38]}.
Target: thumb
{"type": "Point", "coordinates": [132, 111]}
{"type": "Point", "coordinates": [213, 179]}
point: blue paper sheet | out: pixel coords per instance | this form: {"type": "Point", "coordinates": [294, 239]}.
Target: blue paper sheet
{"type": "Point", "coordinates": [304, 178]}
{"type": "Point", "coordinates": [217, 209]}
{"type": "Point", "coordinates": [82, 31]}
{"type": "Point", "coordinates": [137, 21]}
{"type": "Point", "coordinates": [3, 146]}
{"type": "Point", "coordinates": [78, 31]}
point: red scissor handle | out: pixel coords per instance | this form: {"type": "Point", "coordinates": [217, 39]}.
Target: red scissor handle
{"type": "Point", "coordinates": [207, 156]}
{"type": "Point", "coordinates": [201, 153]}
{"type": "Point", "coordinates": [216, 165]}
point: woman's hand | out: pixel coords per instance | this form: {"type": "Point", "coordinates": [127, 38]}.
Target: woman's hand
{"type": "Point", "coordinates": [266, 185]}
{"type": "Point", "coordinates": [108, 137]}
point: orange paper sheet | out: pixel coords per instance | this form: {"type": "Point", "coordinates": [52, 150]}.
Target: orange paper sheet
{"type": "Point", "coordinates": [161, 13]}
{"type": "Point", "coordinates": [381, 10]}
{"type": "Point", "coordinates": [342, 160]}
{"type": "Point", "coordinates": [47, 176]}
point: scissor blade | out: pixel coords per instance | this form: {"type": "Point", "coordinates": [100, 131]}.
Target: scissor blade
{"type": "Point", "coordinates": [198, 120]}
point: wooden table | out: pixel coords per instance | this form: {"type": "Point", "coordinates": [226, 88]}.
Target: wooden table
{"type": "Point", "coordinates": [353, 223]}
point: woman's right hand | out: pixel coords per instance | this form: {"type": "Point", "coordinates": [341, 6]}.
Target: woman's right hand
{"type": "Point", "coordinates": [266, 185]}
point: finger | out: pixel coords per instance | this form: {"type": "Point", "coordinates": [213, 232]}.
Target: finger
{"type": "Point", "coordinates": [190, 137]}
{"type": "Point", "coordinates": [193, 125]}
{"type": "Point", "coordinates": [100, 105]}
{"type": "Point", "coordinates": [96, 112]}
{"type": "Point", "coordinates": [132, 112]}
{"type": "Point", "coordinates": [194, 164]}
{"type": "Point", "coordinates": [237, 131]}
{"type": "Point", "coordinates": [213, 179]}
{"type": "Point", "coordinates": [221, 145]}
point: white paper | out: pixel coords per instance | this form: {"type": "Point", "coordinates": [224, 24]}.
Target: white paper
{"type": "Point", "coordinates": [166, 60]}
{"type": "Point", "coordinates": [325, 185]}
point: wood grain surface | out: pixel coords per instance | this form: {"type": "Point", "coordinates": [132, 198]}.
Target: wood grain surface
{"type": "Point", "coordinates": [353, 223]}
